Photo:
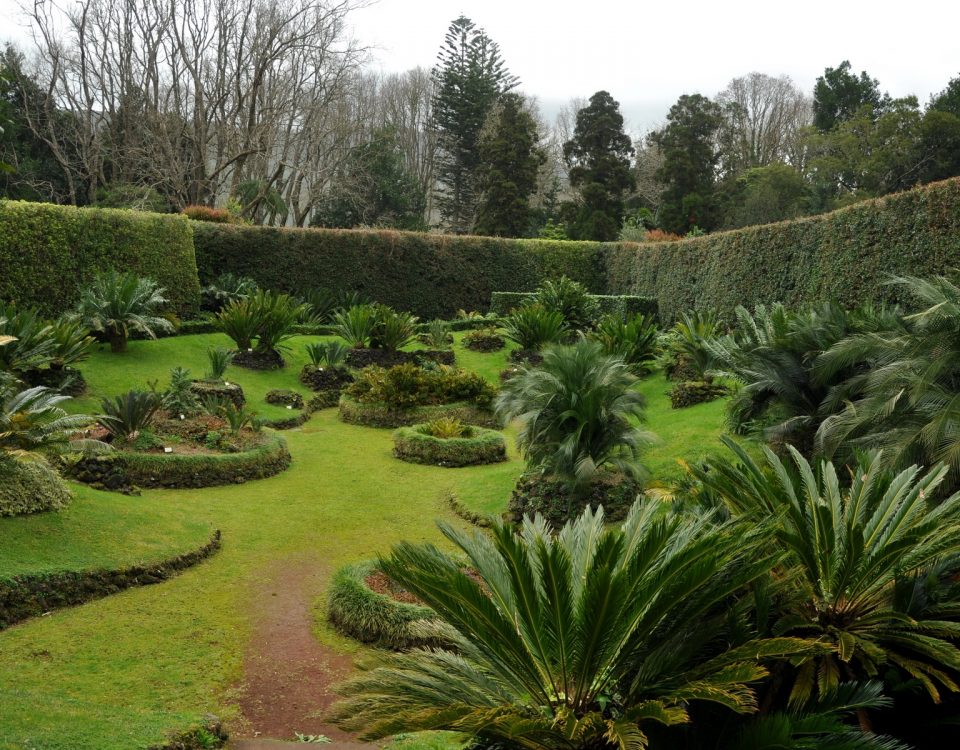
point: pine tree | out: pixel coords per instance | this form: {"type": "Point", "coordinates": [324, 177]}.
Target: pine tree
{"type": "Point", "coordinates": [598, 155]}
{"type": "Point", "coordinates": [470, 76]}
{"type": "Point", "coordinates": [510, 166]}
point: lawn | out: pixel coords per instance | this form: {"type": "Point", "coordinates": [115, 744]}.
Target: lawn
{"type": "Point", "coordinates": [120, 672]}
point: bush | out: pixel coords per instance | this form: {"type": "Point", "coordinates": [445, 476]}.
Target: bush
{"type": "Point", "coordinates": [371, 617]}
{"type": "Point", "coordinates": [284, 397]}
{"type": "Point", "coordinates": [49, 253]}
{"type": "Point", "coordinates": [355, 325]}
{"type": "Point", "coordinates": [382, 415]}
{"type": "Point", "coordinates": [634, 340]}
{"type": "Point", "coordinates": [204, 389]}
{"type": "Point", "coordinates": [213, 215]}
{"type": "Point", "coordinates": [430, 275]}
{"type": "Point", "coordinates": [690, 392]}
{"type": "Point", "coordinates": [571, 300]}
{"type": "Point", "coordinates": [551, 498]}
{"type": "Point", "coordinates": [416, 444]}
{"type": "Point", "coordinates": [437, 335]}
{"type": "Point", "coordinates": [624, 305]}
{"type": "Point", "coordinates": [393, 330]}
{"type": "Point", "coordinates": [484, 340]}
{"type": "Point", "coordinates": [116, 305]}
{"type": "Point", "coordinates": [226, 288]}
{"type": "Point", "coordinates": [126, 415]}
{"type": "Point", "coordinates": [407, 385]}
{"type": "Point", "coordinates": [30, 487]}
{"type": "Point", "coordinates": [532, 327]}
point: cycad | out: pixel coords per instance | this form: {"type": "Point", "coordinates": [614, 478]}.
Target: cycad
{"type": "Point", "coordinates": [851, 551]}
{"type": "Point", "coordinates": [33, 420]}
{"type": "Point", "coordinates": [578, 413]}
{"type": "Point", "coordinates": [576, 640]}
{"type": "Point", "coordinates": [633, 339]}
{"type": "Point", "coordinates": [116, 304]}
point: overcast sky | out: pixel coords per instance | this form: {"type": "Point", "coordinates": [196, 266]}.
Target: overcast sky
{"type": "Point", "coordinates": [648, 53]}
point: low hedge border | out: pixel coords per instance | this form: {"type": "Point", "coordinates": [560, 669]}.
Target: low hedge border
{"type": "Point", "coordinates": [462, 511]}
{"type": "Point", "coordinates": [371, 617]}
{"type": "Point", "coordinates": [22, 597]}
{"type": "Point", "coordinates": [382, 415]}
{"type": "Point", "coordinates": [624, 305]}
{"type": "Point", "coordinates": [123, 469]}
{"type": "Point", "coordinates": [414, 445]}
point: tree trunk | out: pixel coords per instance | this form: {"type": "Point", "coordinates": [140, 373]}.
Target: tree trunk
{"type": "Point", "coordinates": [118, 342]}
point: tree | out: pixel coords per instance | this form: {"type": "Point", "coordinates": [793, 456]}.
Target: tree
{"type": "Point", "coordinates": [763, 195]}
{"type": "Point", "coordinates": [598, 156]}
{"type": "Point", "coordinates": [948, 100]}
{"type": "Point", "coordinates": [510, 158]}
{"type": "Point", "coordinates": [839, 95]}
{"type": "Point", "coordinates": [470, 76]}
{"type": "Point", "coordinates": [115, 304]}
{"type": "Point", "coordinates": [581, 640]}
{"type": "Point", "coordinates": [689, 168]}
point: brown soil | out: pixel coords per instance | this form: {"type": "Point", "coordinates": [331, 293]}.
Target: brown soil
{"type": "Point", "coordinates": [379, 582]}
{"type": "Point", "coordinates": [288, 673]}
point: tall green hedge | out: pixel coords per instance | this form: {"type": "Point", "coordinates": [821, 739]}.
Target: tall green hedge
{"type": "Point", "coordinates": [47, 252]}
{"type": "Point", "coordinates": [847, 255]}
{"type": "Point", "coordinates": [430, 275]}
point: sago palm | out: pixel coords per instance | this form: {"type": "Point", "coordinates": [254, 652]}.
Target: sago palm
{"type": "Point", "coordinates": [575, 640]}
{"type": "Point", "coordinates": [116, 304]}
{"type": "Point", "coordinates": [33, 419]}
{"type": "Point", "coordinates": [578, 413]}
{"type": "Point", "coordinates": [853, 552]}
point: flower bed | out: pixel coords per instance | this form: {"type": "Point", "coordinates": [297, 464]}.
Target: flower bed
{"type": "Point", "coordinates": [416, 445]}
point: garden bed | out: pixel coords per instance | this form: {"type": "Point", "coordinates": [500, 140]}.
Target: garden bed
{"type": "Point", "coordinates": [360, 358]}
{"type": "Point", "coordinates": [550, 498]}
{"type": "Point", "coordinates": [415, 444]}
{"type": "Point", "coordinates": [384, 415]}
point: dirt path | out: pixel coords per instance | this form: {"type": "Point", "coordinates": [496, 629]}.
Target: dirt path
{"type": "Point", "coordinates": [287, 673]}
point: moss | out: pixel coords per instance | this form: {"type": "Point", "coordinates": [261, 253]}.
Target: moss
{"type": "Point", "coordinates": [30, 487]}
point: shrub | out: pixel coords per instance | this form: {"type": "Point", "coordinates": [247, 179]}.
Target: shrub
{"type": "Point", "coordinates": [407, 385]}
{"type": "Point", "coordinates": [33, 420]}
{"type": "Point", "coordinates": [116, 305]}
{"type": "Point", "coordinates": [319, 306]}
{"type": "Point", "coordinates": [30, 341]}
{"type": "Point", "coordinates": [237, 417]}
{"type": "Point", "coordinates": [634, 340]}
{"type": "Point", "coordinates": [30, 487]}
{"type": "Point", "coordinates": [578, 414]}
{"type": "Point", "coordinates": [658, 235]}
{"type": "Point", "coordinates": [220, 360]}
{"type": "Point", "coordinates": [687, 354]}
{"type": "Point", "coordinates": [240, 321]}
{"type": "Point", "coordinates": [126, 415]}
{"type": "Point", "coordinates": [569, 298]}
{"type": "Point", "coordinates": [72, 342]}
{"type": "Point", "coordinates": [226, 288]}
{"type": "Point", "coordinates": [355, 325]}
{"type": "Point", "coordinates": [437, 335]}
{"type": "Point", "coordinates": [532, 327]}
{"type": "Point", "coordinates": [284, 397]}
{"type": "Point", "coordinates": [276, 316]}
{"type": "Point", "coordinates": [393, 330]}
{"type": "Point", "coordinates": [484, 340]}
{"type": "Point", "coordinates": [180, 398]}
{"type": "Point", "coordinates": [474, 445]}
{"type": "Point", "coordinates": [49, 253]}
{"type": "Point", "coordinates": [445, 427]}
{"type": "Point", "coordinates": [551, 498]}
{"type": "Point", "coordinates": [623, 305]}
{"type": "Point", "coordinates": [690, 392]}
{"type": "Point", "coordinates": [378, 414]}
{"type": "Point", "coordinates": [206, 213]}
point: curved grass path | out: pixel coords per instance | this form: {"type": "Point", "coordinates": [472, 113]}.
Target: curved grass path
{"type": "Point", "coordinates": [121, 672]}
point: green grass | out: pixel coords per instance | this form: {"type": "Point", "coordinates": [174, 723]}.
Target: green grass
{"type": "Point", "coordinates": [121, 672]}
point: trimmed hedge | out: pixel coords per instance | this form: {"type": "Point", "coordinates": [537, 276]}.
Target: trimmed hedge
{"type": "Point", "coordinates": [481, 446]}
{"type": "Point", "coordinates": [123, 469]}
{"type": "Point", "coordinates": [430, 275]}
{"type": "Point", "coordinates": [371, 617]}
{"type": "Point", "coordinates": [382, 415]}
{"type": "Point", "coordinates": [27, 596]}
{"type": "Point", "coordinates": [30, 487]}
{"type": "Point", "coordinates": [846, 255]}
{"type": "Point", "coordinates": [48, 253]}
{"type": "Point", "coordinates": [624, 305]}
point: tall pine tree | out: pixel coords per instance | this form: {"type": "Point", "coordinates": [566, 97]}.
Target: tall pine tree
{"type": "Point", "coordinates": [470, 76]}
{"type": "Point", "coordinates": [510, 164]}
{"type": "Point", "coordinates": [598, 155]}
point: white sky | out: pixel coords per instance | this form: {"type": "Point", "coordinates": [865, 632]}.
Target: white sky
{"type": "Point", "coordinates": [649, 53]}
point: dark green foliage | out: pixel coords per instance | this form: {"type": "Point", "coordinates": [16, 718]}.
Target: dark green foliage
{"type": "Point", "coordinates": [116, 305]}
{"type": "Point", "coordinates": [484, 340]}
{"type": "Point", "coordinates": [633, 339]}
{"type": "Point", "coordinates": [578, 414]}
{"type": "Point", "coordinates": [265, 317]}
{"type": "Point", "coordinates": [569, 298]}
{"type": "Point", "coordinates": [129, 195]}
{"type": "Point", "coordinates": [330, 353]}
{"type": "Point", "coordinates": [30, 487]}
{"type": "Point", "coordinates": [27, 596]}
{"type": "Point", "coordinates": [408, 385]}
{"type": "Point", "coordinates": [126, 415]}
{"type": "Point", "coordinates": [690, 158]}
{"type": "Point", "coordinates": [284, 397]}
{"type": "Point", "coordinates": [392, 330]}
{"type": "Point", "coordinates": [226, 288]}
{"type": "Point", "coordinates": [510, 160]}
{"type": "Point", "coordinates": [599, 158]}
{"type": "Point", "coordinates": [763, 195]}
{"type": "Point", "coordinates": [552, 498]}
{"type": "Point", "coordinates": [33, 420]}
{"type": "Point", "coordinates": [49, 253]}
{"type": "Point", "coordinates": [686, 354]}
{"type": "Point", "coordinates": [845, 256]}
{"type": "Point", "coordinates": [839, 95]}
{"type": "Point", "coordinates": [503, 303]}
{"type": "Point", "coordinates": [220, 360]}
{"type": "Point", "coordinates": [180, 398]}
{"type": "Point", "coordinates": [437, 335]}
{"type": "Point", "coordinates": [204, 389]}
{"type": "Point", "coordinates": [383, 415]}
{"type": "Point", "coordinates": [430, 275]}
{"type": "Point", "coordinates": [371, 617]}
{"type": "Point", "coordinates": [469, 77]}
{"type": "Point", "coordinates": [355, 325]}
{"type": "Point", "coordinates": [319, 306]}
{"type": "Point", "coordinates": [476, 446]}
{"type": "Point", "coordinates": [373, 188]}
{"type": "Point", "coordinates": [533, 327]}
{"type": "Point", "coordinates": [691, 392]}
{"type": "Point", "coordinates": [31, 341]}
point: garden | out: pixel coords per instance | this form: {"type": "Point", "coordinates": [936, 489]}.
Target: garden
{"type": "Point", "coordinates": [564, 521]}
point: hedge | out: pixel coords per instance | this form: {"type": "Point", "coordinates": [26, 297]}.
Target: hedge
{"type": "Point", "coordinates": [371, 617]}
{"type": "Point", "coordinates": [48, 253]}
{"type": "Point", "coordinates": [430, 275]}
{"type": "Point", "coordinates": [415, 445]}
{"type": "Point", "coordinates": [624, 305]}
{"type": "Point", "coordinates": [123, 469]}
{"type": "Point", "coordinates": [847, 255]}
{"type": "Point", "coordinates": [383, 415]}
{"type": "Point", "coordinates": [27, 596]}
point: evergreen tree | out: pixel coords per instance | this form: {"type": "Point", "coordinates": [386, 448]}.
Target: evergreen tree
{"type": "Point", "coordinates": [688, 170]}
{"type": "Point", "coordinates": [839, 95]}
{"type": "Point", "coordinates": [948, 100]}
{"type": "Point", "coordinates": [598, 155]}
{"type": "Point", "coordinates": [511, 160]}
{"type": "Point", "coordinates": [470, 76]}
